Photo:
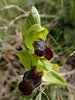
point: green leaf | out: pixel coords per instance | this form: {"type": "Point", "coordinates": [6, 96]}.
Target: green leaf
{"type": "Point", "coordinates": [34, 33]}
{"type": "Point", "coordinates": [26, 59]}
{"type": "Point", "coordinates": [33, 18]}
{"type": "Point", "coordinates": [45, 65]}
{"type": "Point", "coordinates": [53, 77]}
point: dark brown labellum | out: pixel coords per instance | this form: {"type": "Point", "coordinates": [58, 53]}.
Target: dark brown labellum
{"type": "Point", "coordinates": [31, 80]}
{"type": "Point", "coordinates": [48, 54]}
{"type": "Point", "coordinates": [41, 49]}
{"type": "Point", "coordinates": [25, 88]}
{"type": "Point", "coordinates": [38, 52]}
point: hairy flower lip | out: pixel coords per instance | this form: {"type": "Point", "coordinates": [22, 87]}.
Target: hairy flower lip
{"type": "Point", "coordinates": [38, 52]}
{"type": "Point", "coordinates": [23, 87]}
{"type": "Point", "coordinates": [48, 54]}
{"type": "Point", "coordinates": [31, 80]}
{"type": "Point", "coordinates": [41, 49]}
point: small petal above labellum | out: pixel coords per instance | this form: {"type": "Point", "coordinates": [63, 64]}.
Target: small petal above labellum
{"type": "Point", "coordinates": [48, 54]}
{"type": "Point", "coordinates": [31, 80]}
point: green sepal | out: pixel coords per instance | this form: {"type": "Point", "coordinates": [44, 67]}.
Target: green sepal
{"type": "Point", "coordinates": [53, 77]}
{"type": "Point", "coordinates": [44, 65]}
{"type": "Point", "coordinates": [26, 59]}
{"type": "Point", "coordinates": [39, 69]}
{"type": "Point", "coordinates": [32, 18]}
{"type": "Point", "coordinates": [34, 33]}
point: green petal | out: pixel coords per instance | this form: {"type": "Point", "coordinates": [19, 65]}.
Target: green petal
{"type": "Point", "coordinates": [53, 77]}
{"type": "Point", "coordinates": [55, 66]}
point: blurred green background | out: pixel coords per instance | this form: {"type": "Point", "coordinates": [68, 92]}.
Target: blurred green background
{"type": "Point", "coordinates": [58, 16]}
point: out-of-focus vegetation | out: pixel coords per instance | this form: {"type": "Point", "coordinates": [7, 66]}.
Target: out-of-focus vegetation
{"type": "Point", "coordinates": [58, 16]}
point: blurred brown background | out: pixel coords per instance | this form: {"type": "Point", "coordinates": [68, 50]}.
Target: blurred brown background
{"type": "Point", "coordinates": [58, 16]}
